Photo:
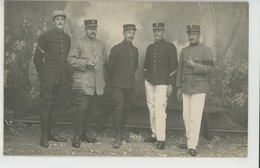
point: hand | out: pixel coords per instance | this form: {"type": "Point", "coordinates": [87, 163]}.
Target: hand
{"type": "Point", "coordinates": [169, 91]}
{"type": "Point", "coordinates": [91, 65]}
{"type": "Point", "coordinates": [179, 94]}
{"type": "Point", "coordinates": [190, 62]}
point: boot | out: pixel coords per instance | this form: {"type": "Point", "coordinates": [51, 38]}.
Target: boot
{"type": "Point", "coordinates": [118, 125]}
{"type": "Point", "coordinates": [52, 135]}
{"type": "Point", "coordinates": [117, 142]}
{"type": "Point", "coordinates": [44, 131]}
{"type": "Point", "coordinates": [76, 140]}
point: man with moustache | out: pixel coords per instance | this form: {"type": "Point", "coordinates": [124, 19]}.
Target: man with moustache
{"type": "Point", "coordinates": [87, 57]}
{"type": "Point", "coordinates": [50, 62]}
{"type": "Point", "coordinates": [195, 65]}
{"type": "Point", "coordinates": [121, 67]}
{"type": "Point", "coordinates": [160, 67]}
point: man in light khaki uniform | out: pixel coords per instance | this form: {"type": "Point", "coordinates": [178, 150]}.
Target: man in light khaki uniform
{"type": "Point", "coordinates": [87, 57]}
{"type": "Point", "coordinates": [192, 82]}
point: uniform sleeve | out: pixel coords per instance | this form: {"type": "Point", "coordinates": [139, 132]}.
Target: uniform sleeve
{"type": "Point", "coordinates": [146, 63]}
{"type": "Point", "coordinates": [207, 65]}
{"type": "Point", "coordinates": [179, 72]}
{"type": "Point", "coordinates": [137, 61]}
{"type": "Point", "coordinates": [39, 52]}
{"type": "Point", "coordinates": [74, 59]}
{"type": "Point", "coordinates": [173, 64]}
{"type": "Point", "coordinates": [111, 64]}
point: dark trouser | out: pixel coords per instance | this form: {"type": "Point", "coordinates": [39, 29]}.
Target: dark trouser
{"type": "Point", "coordinates": [52, 103]}
{"type": "Point", "coordinates": [122, 100]}
{"type": "Point", "coordinates": [85, 105]}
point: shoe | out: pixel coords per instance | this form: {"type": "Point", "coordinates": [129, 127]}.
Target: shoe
{"type": "Point", "coordinates": [44, 143]}
{"type": "Point", "coordinates": [76, 143]}
{"type": "Point", "coordinates": [56, 138]}
{"type": "Point", "coordinates": [160, 145]}
{"type": "Point", "coordinates": [150, 139]}
{"type": "Point", "coordinates": [117, 142]}
{"type": "Point", "coordinates": [88, 139]}
{"type": "Point", "coordinates": [183, 146]}
{"type": "Point", "coordinates": [192, 152]}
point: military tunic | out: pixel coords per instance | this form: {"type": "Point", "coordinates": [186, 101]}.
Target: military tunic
{"type": "Point", "coordinates": [195, 80]}
{"type": "Point", "coordinates": [122, 65]}
{"type": "Point", "coordinates": [85, 79]}
{"type": "Point", "coordinates": [161, 63]}
{"type": "Point", "coordinates": [50, 56]}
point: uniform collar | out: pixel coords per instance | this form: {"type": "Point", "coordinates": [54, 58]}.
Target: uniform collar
{"type": "Point", "coordinates": [159, 41]}
{"type": "Point", "coordinates": [195, 44]}
{"type": "Point", "coordinates": [57, 31]}
{"type": "Point", "coordinates": [127, 43]}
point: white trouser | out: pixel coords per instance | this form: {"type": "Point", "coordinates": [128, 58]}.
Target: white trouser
{"type": "Point", "coordinates": [157, 101]}
{"type": "Point", "coordinates": [192, 113]}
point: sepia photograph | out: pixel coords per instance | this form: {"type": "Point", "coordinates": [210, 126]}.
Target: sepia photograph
{"type": "Point", "coordinates": [128, 80]}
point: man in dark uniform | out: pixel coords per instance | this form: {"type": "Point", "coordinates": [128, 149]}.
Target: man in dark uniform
{"type": "Point", "coordinates": [195, 65]}
{"type": "Point", "coordinates": [159, 71]}
{"type": "Point", "coordinates": [88, 57]}
{"type": "Point", "coordinates": [121, 68]}
{"type": "Point", "coordinates": [50, 62]}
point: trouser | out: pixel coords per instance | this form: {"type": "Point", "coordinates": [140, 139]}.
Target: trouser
{"type": "Point", "coordinates": [52, 103]}
{"type": "Point", "coordinates": [157, 102]}
{"type": "Point", "coordinates": [122, 101]}
{"type": "Point", "coordinates": [193, 105]}
{"type": "Point", "coordinates": [84, 107]}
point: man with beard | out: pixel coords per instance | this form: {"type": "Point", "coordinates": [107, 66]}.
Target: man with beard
{"type": "Point", "coordinates": [87, 57]}
{"type": "Point", "coordinates": [195, 65]}
{"type": "Point", "coordinates": [121, 68]}
{"type": "Point", "coordinates": [160, 67]}
{"type": "Point", "coordinates": [50, 62]}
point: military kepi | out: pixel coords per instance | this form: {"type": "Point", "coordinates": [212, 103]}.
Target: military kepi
{"type": "Point", "coordinates": [90, 23]}
{"type": "Point", "coordinates": [158, 26]}
{"type": "Point", "coordinates": [193, 28]}
{"type": "Point", "coordinates": [129, 27]}
{"type": "Point", "coordinates": [58, 13]}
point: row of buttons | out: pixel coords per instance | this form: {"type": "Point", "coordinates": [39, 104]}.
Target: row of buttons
{"type": "Point", "coordinates": [61, 46]}
{"type": "Point", "coordinates": [154, 60]}
{"type": "Point", "coordinates": [131, 59]}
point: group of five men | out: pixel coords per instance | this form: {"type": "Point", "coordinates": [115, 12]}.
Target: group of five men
{"type": "Point", "coordinates": [88, 58]}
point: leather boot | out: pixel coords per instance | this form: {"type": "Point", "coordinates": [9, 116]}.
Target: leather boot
{"type": "Point", "coordinates": [52, 135]}
{"type": "Point", "coordinates": [117, 142]}
{"type": "Point", "coordinates": [118, 125]}
{"type": "Point", "coordinates": [76, 140]}
{"type": "Point", "coordinates": [44, 131]}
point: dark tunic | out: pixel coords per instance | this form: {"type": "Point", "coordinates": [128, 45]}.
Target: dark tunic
{"type": "Point", "coordinates": [161, 63]}
{"type": "Point", "coordinates": [122, 65]}
{"type": "Point", "coordinates": [50, 56]}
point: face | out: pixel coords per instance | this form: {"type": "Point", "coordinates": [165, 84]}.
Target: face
{"type": "Point", "coordinates": [193, 37]}
{"type": "Point", "coordinates": [129, 35]}
{"type": "Point", "coordinates": [158, 34]}
{"type": "Point", "coordinates": [59, 22]}
{"type": "Point", "coordinates": [91, 32]}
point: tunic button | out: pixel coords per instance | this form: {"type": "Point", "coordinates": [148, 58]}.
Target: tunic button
{"type": "Point", "coordinates": [154, 52]}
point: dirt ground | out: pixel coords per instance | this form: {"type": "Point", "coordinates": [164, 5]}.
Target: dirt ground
{"type": "Point", "coordinates": [26, 142]}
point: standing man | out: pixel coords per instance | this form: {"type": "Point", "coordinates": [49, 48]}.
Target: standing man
{"type": "Point", "coordinates": [87, 57]}
{"type": "Point", "coordinates": [50, 62]}
{"type": "Point", "coordinates": [195, 65]}
{"type": "Point", "coordinates": [121, 68]}
{"type": "Point", "coordinates": [159, 72]}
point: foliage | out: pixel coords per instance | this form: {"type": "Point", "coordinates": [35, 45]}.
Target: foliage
{"type": "Point", "coordinates": [230, 83]}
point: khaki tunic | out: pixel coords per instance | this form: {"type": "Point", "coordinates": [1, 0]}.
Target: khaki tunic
{"type": "Point", "coordinates": [85, 79]}
{"type": "Point", "coordinates": [195, 80]}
